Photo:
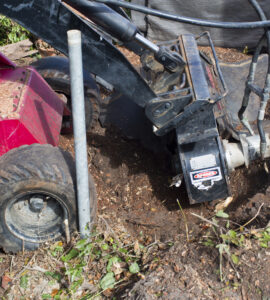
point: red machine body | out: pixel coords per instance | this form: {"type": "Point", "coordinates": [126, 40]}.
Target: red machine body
{"type": "Point", "coordinates": [30, 111]}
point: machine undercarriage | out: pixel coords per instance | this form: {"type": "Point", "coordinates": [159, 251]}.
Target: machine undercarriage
{"type": "Point", "coordinates": [180, 89]}
{"type": "Point", "coordinates": [181, 101]}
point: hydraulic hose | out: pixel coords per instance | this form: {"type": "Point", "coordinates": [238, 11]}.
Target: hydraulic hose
{"type": "Point", "coordinates": [258, 9]}
{"type": "Point", "coordinates": [111, 21]}
{"type": "Point", "coordinates": [192, 21]}
{"type": "Point", "coordinates": [265, 95]}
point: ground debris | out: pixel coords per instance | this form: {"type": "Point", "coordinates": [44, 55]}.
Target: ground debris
{"type": "Point", "coordinates": [18, 50]}
{"type": "Point", "coordinates": [5, 282]}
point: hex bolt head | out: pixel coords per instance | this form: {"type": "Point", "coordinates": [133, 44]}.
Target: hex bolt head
{"type": "Point", "coordinates": [168, 105]}
{"type": "Point", "coordinates": [36, 203]}
{"type": "Point", "coordinates": [156, 112]}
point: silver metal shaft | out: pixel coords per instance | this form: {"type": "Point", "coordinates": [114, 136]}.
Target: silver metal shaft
{"type": "Point", "coordinates": [145, 42]}
{"type": "Point", "coordinates": [78, 116]}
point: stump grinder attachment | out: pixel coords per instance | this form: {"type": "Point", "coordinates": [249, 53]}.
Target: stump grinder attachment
{"type": "Point", "coordinates": [179, 92]}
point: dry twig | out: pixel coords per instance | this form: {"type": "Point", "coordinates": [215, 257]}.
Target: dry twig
{"type": "Point", "coordinates": [185, 219]}
{"type": "Point", "coordinates": [256, 215]}
{"type": "Point", "coordinates": [205, 220]}
{"type": "Point", "coordinates": [24, 268]}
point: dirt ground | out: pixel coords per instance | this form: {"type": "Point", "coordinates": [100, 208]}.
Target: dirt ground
{"type": "Point", "coordinates": [133, 188]}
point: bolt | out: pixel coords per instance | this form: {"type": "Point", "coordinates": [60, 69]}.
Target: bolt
{"type": "Point", "coordinates": [36, 203]}
{"type": "Point", "coordinates": [156, 112]}
{"type": "Point", "coordinates": [167, 105]}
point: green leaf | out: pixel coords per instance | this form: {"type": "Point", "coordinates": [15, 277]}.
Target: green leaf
{"type": "Point", "coordinates": [106, 257]}
{"type": "Point", "coordinates": [222, 214]}
{"type": "Point", "coordinates": [134, 268]}
{"type": "Point", "coordinates": [209, 243]}
{"type": "Point", "coordinates": [235, 259]}
{"type": "Point", "coordinates": [71, 254]}
{"type": "Point", "coordinates": [105, 247]}
{"type": "Point", "coordinates": [266, 237]}
{"type": "Point", "coordinates": [75, 273]}
{"type": "Point", "coordinates": [264, 244]}
{"type": "Point", "coordinates": [81, 244]}
{"type": "Point", "coordinates": [225, 237]}
{"type": "Point", "coordinates": [88, 249]}
{"type": "Point", "coordinates": [108, 281]}
{"type": "Point", "coordinates": [232, 234]}
{"type": "Point", "coordinates": [242, 239]}
{"type": "Point", "coordinates": [54, 275]}
{"type": "Point", "coordinates": [46, 296]}
{"type": "Point", "coordinates": [24, 282]}
{"type": "Point", "coordinates": [123, 250]}
{"type": "Point", "coordinates": [223, 248]}
{"type": "Point", "coordinates": [112, 261]}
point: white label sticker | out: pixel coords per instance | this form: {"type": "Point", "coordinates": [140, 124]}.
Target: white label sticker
{"type": "Point", "coordinates": [203, 162]}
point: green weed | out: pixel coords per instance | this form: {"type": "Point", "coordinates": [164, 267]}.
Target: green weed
{"type": "Point", "coordinates": [229, 237]}
{"type": "Point", "coordinates": [11, 32]}
{"type": "Point", "coordinates": [118, 260]}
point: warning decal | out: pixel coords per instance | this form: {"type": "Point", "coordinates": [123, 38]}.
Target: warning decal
{"type": "Point", "coordinates": [205, 179]}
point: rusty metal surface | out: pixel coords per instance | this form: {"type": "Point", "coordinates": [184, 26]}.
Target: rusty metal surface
{"type": "Point", "coordinates": [12, 87]}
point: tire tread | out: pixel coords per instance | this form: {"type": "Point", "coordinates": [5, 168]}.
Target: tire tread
{"type": "Point", "coordinates": [26, 164]}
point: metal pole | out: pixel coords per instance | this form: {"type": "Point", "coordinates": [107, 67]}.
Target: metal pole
{"type": "Point", "coordinates": [78, 116]}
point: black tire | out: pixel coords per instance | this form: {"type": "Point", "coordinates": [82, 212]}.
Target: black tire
{"type": "Point", "coordinates": [37, 186]}
{"type": "Point", "coordinates": [60, 82]}
{"type": "Point", "coordinates": [55, 70]}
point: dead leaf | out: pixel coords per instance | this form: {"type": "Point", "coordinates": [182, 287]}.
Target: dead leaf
{"type": "Point", "coordinates": [137, 248]}
{"type": "Point", "coordinates": [6, 282]}
{"type": "Point", "coordinates": [118, 268]}
{"type": "Point", "coordinates": [223, 204]}
{"type": "Point", "coordinates": [54, 292]}
{"type": "Point", "coordinates": [107, 293]}
{"type": "Point", "coordinates": [176, 268]}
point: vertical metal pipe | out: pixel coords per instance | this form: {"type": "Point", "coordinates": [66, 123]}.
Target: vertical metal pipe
{"type": "Point", "coordinates": [78, 116]}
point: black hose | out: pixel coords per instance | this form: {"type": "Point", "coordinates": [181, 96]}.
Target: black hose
{"type": "Point", "coordinates": [258, 9]}
{"type": "Point", "coordinates": [193, 21]}
{"type": "Point", "coordinates": [265, 97]}
{"type": "Point", "coordinates": [262, 137]}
